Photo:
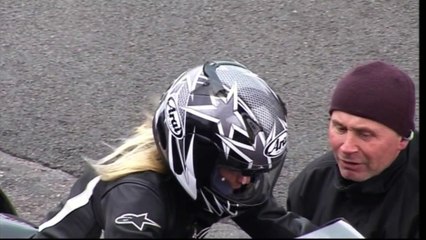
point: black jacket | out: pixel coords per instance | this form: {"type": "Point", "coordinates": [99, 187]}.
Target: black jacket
{"type": "Point", "coordinates": [384, 206]}
{"type": "Point", "coordinates": [153, 205]}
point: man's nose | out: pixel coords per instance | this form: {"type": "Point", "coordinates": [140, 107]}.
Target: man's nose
{"type": "Point", "coordinates": [349, 144]}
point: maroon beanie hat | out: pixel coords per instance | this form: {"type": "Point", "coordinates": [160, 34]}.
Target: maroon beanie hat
{"type": "Point", "coordinates": [378, 91]}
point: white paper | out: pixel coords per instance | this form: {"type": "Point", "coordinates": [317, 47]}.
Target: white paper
{"type": "Point", "coordinates": [338, 229]}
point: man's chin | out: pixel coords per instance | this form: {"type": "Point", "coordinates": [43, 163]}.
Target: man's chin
{"type": "Point", "coordinates": [353, 175]}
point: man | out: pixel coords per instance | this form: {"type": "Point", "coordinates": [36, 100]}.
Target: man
{"type": "Point", "coordinates": [370, 177]}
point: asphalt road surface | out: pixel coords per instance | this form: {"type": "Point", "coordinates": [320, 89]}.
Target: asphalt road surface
{"type": "Point", "coordinates": [77, 74]}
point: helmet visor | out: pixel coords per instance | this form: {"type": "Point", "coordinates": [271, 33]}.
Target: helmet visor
{"type": "Point", "coordinates": [232, 179]}
{"type": "Point", "coordinates": [245, 188]}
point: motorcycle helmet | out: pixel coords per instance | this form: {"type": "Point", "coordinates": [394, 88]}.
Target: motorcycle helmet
{"type": "Point", "coordinates": [221, 115]}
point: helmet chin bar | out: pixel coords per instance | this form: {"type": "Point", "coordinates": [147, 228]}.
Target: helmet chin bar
{"type": "Point", "coordinates": [218, 206]}
{"type": "Point", "coordinates": [221, 199]}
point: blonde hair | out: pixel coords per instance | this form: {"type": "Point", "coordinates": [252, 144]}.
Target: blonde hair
{"type": "Point", "coordinates": [136, 153]}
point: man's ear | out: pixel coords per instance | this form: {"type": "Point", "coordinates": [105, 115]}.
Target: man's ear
{"type": "Point", "coordinates": [403, 143]}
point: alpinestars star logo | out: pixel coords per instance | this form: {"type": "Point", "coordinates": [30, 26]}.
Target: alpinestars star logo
{"type": "Point", "coordinates": [137, 220]}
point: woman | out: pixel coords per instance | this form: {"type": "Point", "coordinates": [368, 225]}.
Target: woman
{"type": "Point", "coordinates": [215, 149]}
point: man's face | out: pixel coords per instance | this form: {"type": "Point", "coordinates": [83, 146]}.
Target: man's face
{"type": "Point", "coordinates": [363, 148]}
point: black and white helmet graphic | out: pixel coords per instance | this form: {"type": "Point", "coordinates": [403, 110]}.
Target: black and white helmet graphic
{"type": "Point", "coordinates": [217, 123]}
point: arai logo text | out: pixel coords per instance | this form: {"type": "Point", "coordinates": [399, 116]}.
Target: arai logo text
{"type": "Point", "coordinates": [173, 120]}
{"type": "Point", "coordinates": [277, 146]}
